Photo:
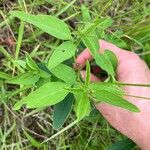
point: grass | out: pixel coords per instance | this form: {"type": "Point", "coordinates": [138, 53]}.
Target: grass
{"type": "Point", "coordinates": [131, 19]}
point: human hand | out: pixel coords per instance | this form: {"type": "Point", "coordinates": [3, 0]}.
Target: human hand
{"type": "Point", "coordinates": [131, 69]}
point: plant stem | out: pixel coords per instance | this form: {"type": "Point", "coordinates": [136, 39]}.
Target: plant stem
{"type": "Point", "coordinates": [135, 96]}
{"type": "Point", "coordinates": [131, 84]}
{"type": "Point", "coordinates": [61, 131]}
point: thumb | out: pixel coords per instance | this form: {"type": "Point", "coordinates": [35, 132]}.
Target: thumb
{"type": "Point", "coordinates": [93, 77]}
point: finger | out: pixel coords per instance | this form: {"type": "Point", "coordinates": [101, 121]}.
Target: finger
{"type": "Point", "coordinates": [86, 55]}
{"type": "Point", "coordinates": [83, 57]}
{"type": "Point", "coordinates": [93, 77]}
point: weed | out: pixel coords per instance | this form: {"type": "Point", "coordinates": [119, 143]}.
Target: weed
{"type": "Point", "coordinates": [38, 70]}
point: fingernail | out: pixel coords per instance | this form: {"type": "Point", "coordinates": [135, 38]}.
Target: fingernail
{"type": "Point", "coordinates": [76, 66]}
{"type": "Point", "coordinates": [82, 74]}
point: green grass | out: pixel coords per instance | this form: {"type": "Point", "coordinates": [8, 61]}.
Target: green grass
{"type": "Point", "coordinates": [131, 19]}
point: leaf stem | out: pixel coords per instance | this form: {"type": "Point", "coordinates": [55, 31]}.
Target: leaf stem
{"type": "Point", "coordinates": [135, 96]}
{"type": "Point", "coordinates": [61, 131]}
{"type": "Point", "coordinates": [131, 84]}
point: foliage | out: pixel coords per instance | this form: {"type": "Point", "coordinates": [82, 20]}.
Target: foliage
{"type": "Point", "coordinates": [42, 78]}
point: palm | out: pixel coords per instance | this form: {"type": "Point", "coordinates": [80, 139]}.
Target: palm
{"type": "Point", "coordinates": [131, 69]}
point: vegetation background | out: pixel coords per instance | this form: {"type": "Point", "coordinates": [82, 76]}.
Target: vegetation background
{"type": "Point", "coordinates": [24, 129]}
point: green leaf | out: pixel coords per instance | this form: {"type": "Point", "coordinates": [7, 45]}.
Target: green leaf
{"type": "Point", "coordinates": [146, 57]}
{"type": "Point", "coordinates": [74, 90]}
{"type": "Point", "coordinates": [31, 64]}
{"type": "Point", "coordinates": [64, 73]}
{"type": "Point", "coordinates": [112, 99]}
{"type": "Point", "coordinates": [103, 61]}
{"type": "Point", "coordinates": [90, 27]}
{"type": "Point", "coordinates": [115, 38]}
{"type": "Point", "coordinates": [84, 107]}
{"type": "Point", "coordinates": [21, 63]}
{"type": "Point", "coordinates": [63, 52]}
{"type": "Point", "coordinates": [107, 62]}
{"type": "Point", "coordinates": [91, 42]}
{"type": "Point", "coordinates": [46, 23]}
{"type": "Point", "coordinates": [4, 75]}
{"type": "Point", "coordinates": [44, 72]}
{"type": "Point", "coordinates": [90, 38]}
{"type": "Point", "coordinates": [77, 96]}
{"type": "Point", "coordinates": [48, 94]}
{"type": "Point", "coordinates": [94, 115]}
{"type": "Point", "coordinates": [85, 14]}
{"type": "Point", "coordinates": [105, 23]}
{"type": "Point", "coordinates": [43, 67]}
{"type": "Point", "coordinates": [125, 144]}
{"type": "Point", "coordinates": [34, 142]}
{"type": "Point", "coordinates": [62, 110]}
{"type": "Point", "coordinates": [113, 59]}
{"type": "Point", "coordinates": [27, 78]}
{"type": "Point", "coordinates": [88, 73]}
{"type": "Point", "coordinates": [42, 81]}
{"type": "Point", "coordinates": [110, 87]}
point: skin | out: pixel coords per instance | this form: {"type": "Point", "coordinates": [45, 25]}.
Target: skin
{"type": "Point", "coordinates": [131, 69]}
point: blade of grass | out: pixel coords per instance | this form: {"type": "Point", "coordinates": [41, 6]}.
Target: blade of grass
{"type": "Point", "coordinates": [61, 131]}
{"type": "Point", "coordinates": [19, 41]}
{"type": "Point", "coordinates": [65, 8]}
{"type": "Point", "coordinates": [140, 97]}
{"type": "Point", "coordinates": [131, 84]}
{"type": "Point", "coordinates": [10, 58]}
